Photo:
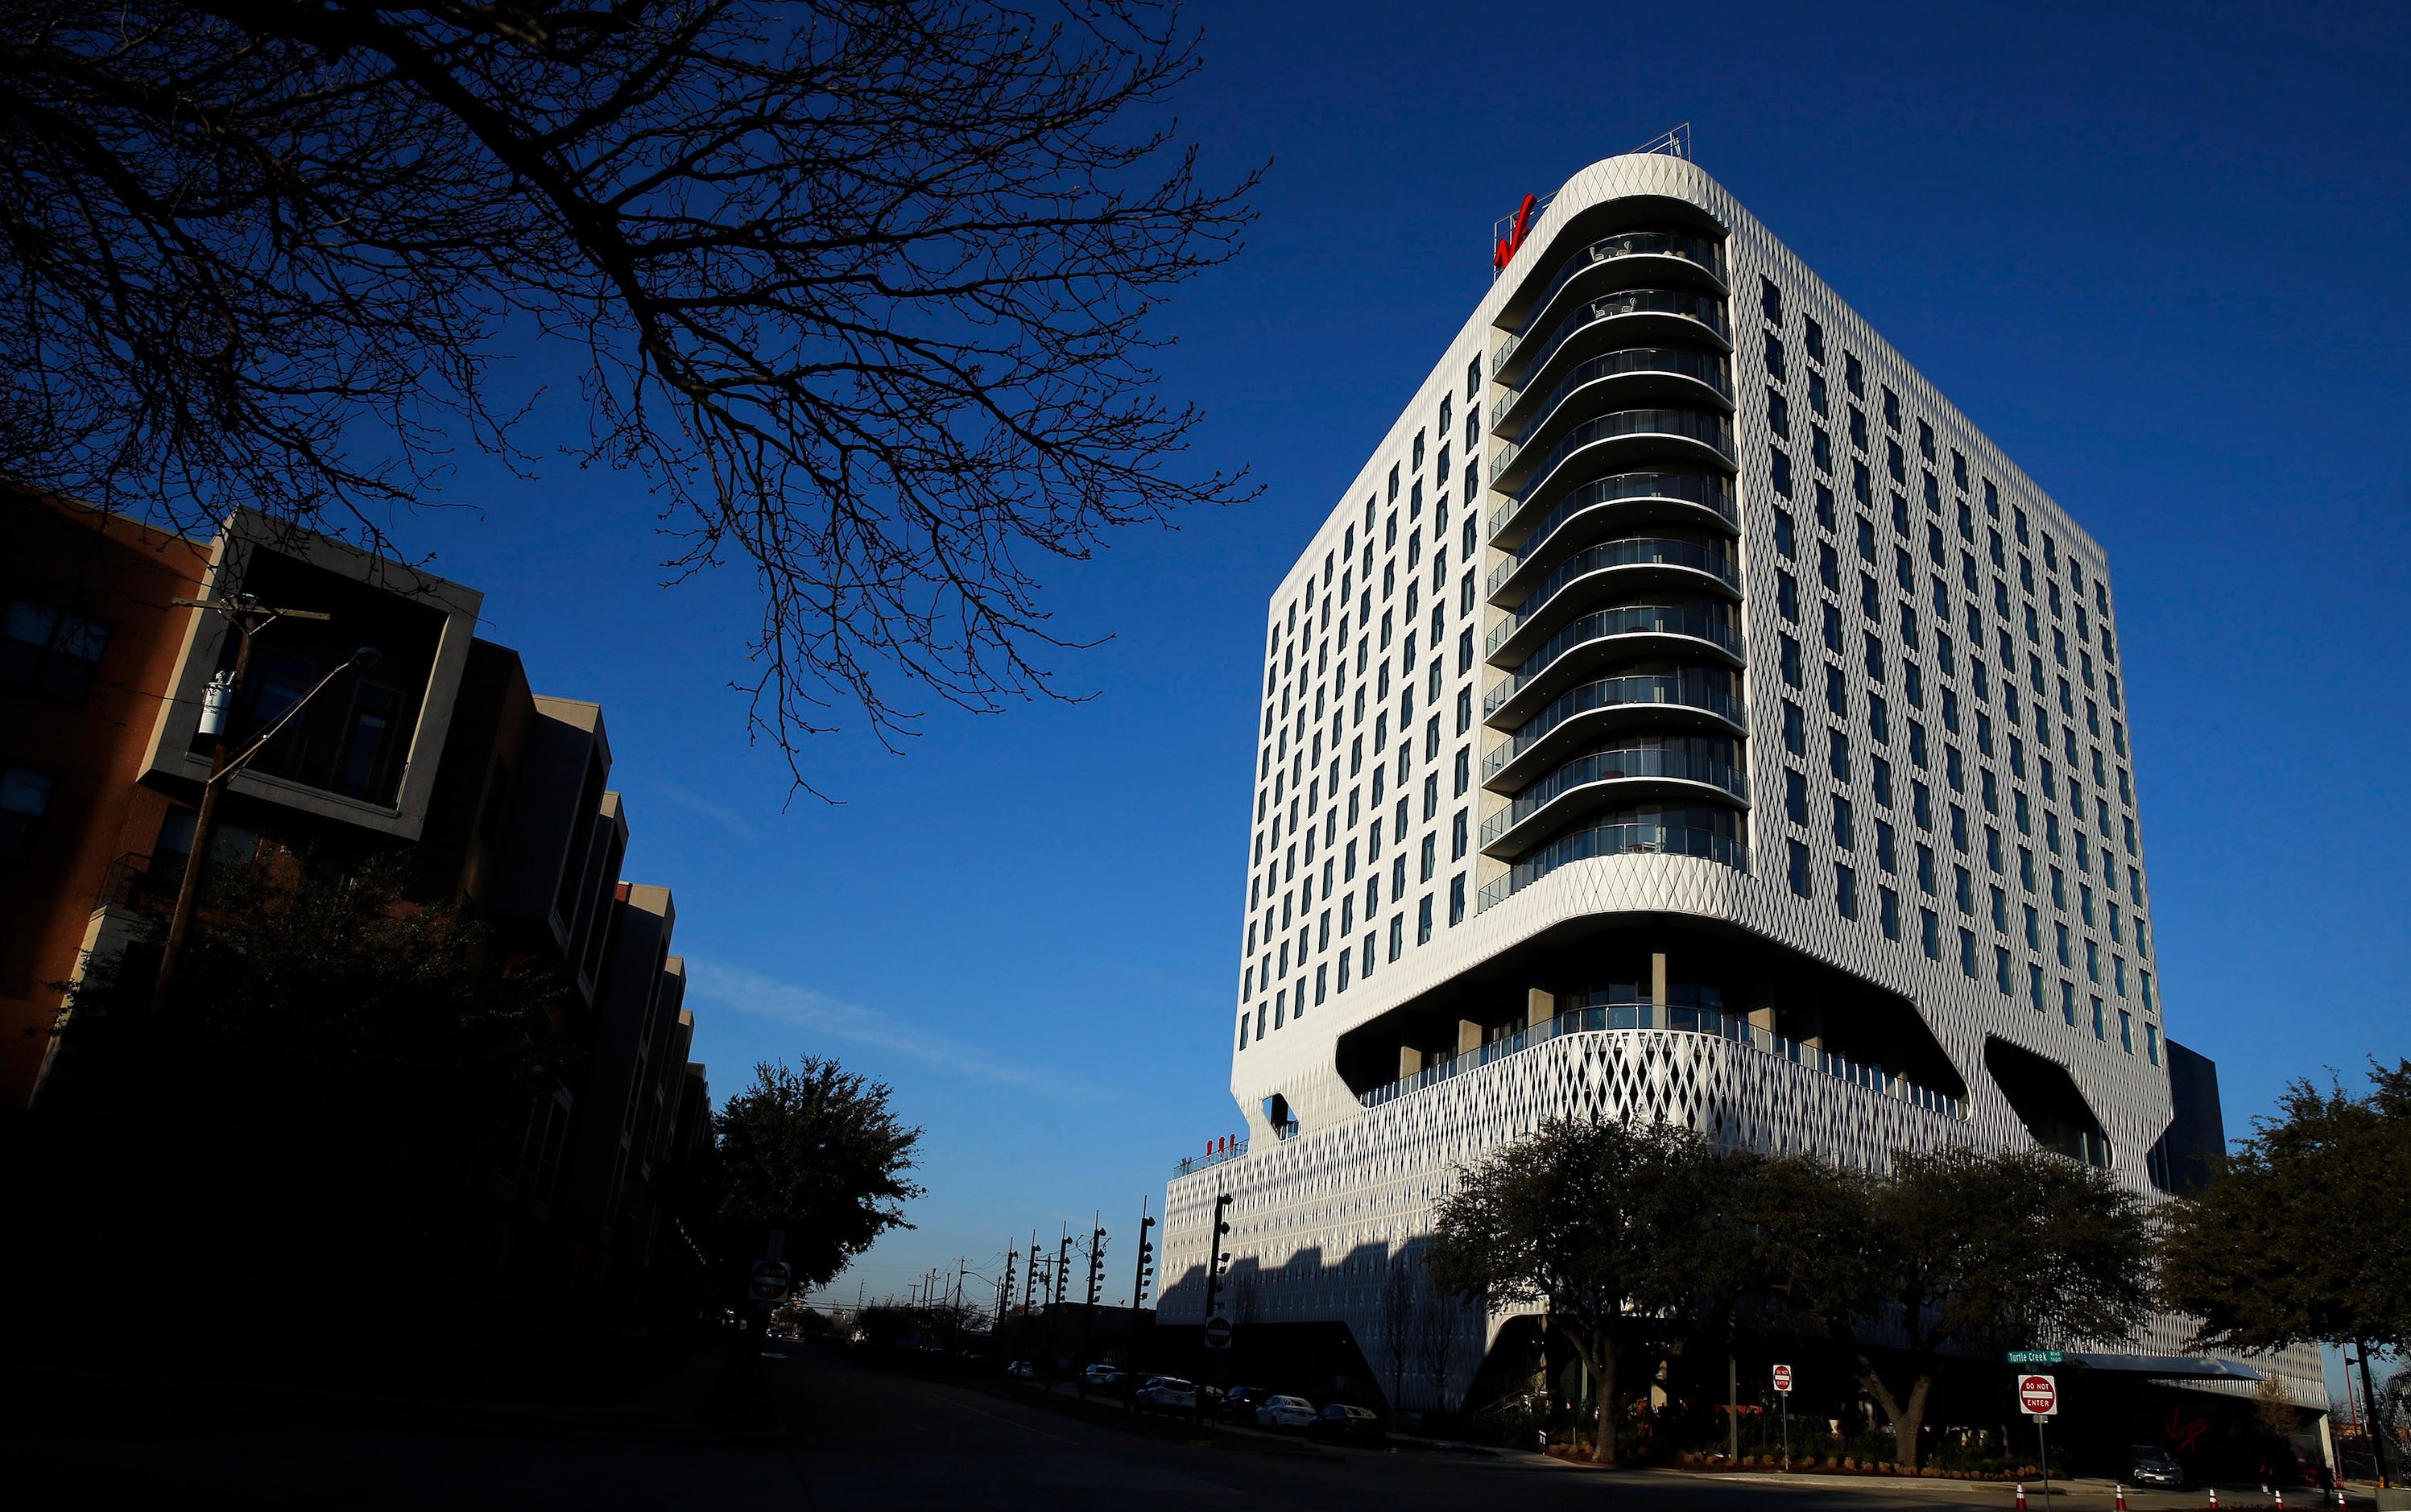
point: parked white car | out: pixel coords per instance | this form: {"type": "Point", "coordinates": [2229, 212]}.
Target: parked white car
{"type": "Point", "coordinates": [1281, 1413]}
{"type": "Point", "coordinates": [1168, 1393]}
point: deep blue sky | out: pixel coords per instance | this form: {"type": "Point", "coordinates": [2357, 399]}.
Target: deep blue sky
{"type": "Point", "coordinates": [2159, 256]}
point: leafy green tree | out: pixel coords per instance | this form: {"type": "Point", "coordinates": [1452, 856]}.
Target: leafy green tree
{"type": "Point", "coordinates": [1996, 1250]}
{"type": "Point", "coordinates": [1582, 1217]}
{"type": "Point", "coordinates": [2299, 1238]}
{"type": "Point", "coordinates": [318, 999]}
{"type": "Point", "coordinates": [815, 1151]}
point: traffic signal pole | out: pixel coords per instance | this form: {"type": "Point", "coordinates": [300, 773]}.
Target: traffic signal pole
{"type": "Point", "coordinates": [1146, 1257]}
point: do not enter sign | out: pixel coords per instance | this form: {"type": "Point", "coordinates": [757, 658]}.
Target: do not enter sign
{"type": "Point", "coordinates": [771, 1281]}
{"type": "Point", "coordinates": [1783, 1378]}
{"type": "Point", "coordinates": [2039, 1395]}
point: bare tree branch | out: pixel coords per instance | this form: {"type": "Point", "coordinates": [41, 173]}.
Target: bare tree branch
{"type": "Point", "coordinates": [862, 291]}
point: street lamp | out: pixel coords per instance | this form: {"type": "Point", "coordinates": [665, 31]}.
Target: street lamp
{"type": "Point", "coordinates": [249, 617]}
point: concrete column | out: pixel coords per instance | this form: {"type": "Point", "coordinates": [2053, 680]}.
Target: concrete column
{"type": "Point", "coordinates": [1538, 1008]}
{"type": "Point", "coordinates": [1658, 979]}
{"type": "Point", "coordinates": [1469, 1037]}
{"type": "Point", "coordinates": [1411, 1060]}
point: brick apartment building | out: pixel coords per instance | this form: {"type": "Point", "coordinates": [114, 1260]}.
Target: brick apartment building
{"type": "Point", "coordinates": [494, 797]}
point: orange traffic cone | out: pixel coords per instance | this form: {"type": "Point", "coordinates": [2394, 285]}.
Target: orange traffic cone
{"type": "Point", "coordinates": [2213, 1499]}
{"type": "Point", "coordinates": [2021, 1496]}
{"type": "Point", "coordinates": [2121, 1489]}
{"type": "Point", "coordinates": [2281, 1499]}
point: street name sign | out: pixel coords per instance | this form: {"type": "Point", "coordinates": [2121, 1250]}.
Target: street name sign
{"type": "Point", "coordinates": [2037, 1357]}
{"type": "Point", "coordinates": [2039, 1395]}
{"type": "Point", "coordinates": [1783, 1378]}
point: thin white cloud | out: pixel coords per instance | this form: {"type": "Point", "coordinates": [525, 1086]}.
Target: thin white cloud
{"type": "Point", "coordinates": [719, 813]}
{"type": "Point", "coordinates": [750, 992]}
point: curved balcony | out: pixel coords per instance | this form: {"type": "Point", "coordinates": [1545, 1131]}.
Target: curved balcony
{"type": "Point", "coordinates": [1677, 767]}
{"type": "Point", "coordinates": [1634, 373]}
{"type": "Point", "coordinates": [1609, 568]}
{"type": "Point", "coordinates": [1633, 315]}
{"type": "Point", "coordinates": [1696, 435]}
{"type": "Point", "coordinates": [1677, 630]}
{"type": "Point", "coordinates": [1640, 700]}
{"type": "Point", "coordinates": [1697, 498]}
{"type": "Point", "coordinates": [1710, 833]}
{"type": "Point", "coordinates": [1632, 254]}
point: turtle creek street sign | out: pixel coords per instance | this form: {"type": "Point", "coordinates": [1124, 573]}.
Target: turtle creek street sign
{"type": "Point", "coordinates": [2037, 1357]}
{"type": "Point", "coordinates": [772, 1279]}
{"type": "Point", "coordinates": [2039, 1395]}
{"type": "Point", "coordinates": [1218, 1334]}
{"type": "Point", "coordinates": [1783, 1378]}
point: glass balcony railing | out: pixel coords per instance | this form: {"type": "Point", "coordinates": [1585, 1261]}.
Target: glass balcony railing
{"type": "Point", "coordinates": [1712, 432]}
{"type": "Point", "coordinates": [1703, 366]}
{"type": "Point", "coordinates": [1704, 1020]}
{"type": "Point", "coordinates": [1709, 490]}
{"type": "Point", "coordinates": [1231, 1151]}
{"type": "Point", "coordinates": [1706, 310]}
{"type": "Point", "coordinates": [1673, 763]}
{"type": "Point", "coordinates": [1688, 691]}
{"type": "Point", "coordinates": [1711, 558]}
{"type": "Point", "coordinates": [1697, 621]}
{"type": "Point", "coordinates": [1692, 249]}
{"type": "Point", "coordinates": [1691, 832]}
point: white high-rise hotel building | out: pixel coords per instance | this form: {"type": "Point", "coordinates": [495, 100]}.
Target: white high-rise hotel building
{"type": "Point", "coordinates": [1686, 713]}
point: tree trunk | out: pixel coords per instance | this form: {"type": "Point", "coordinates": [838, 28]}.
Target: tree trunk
{"type": "Point", "coordinates": [1906, 1418]}
{"type": "Point", "coordinates": [1604, 1452]}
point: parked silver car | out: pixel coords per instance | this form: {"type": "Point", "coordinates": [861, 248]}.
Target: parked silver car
{"type": "Point", "coordinates": [1168, 1393]}
{"type": "Point", "coordinates": [1285, 1414]}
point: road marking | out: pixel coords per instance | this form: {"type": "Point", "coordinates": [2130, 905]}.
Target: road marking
{"type": "Point", "coordinates": [1024, 1427]}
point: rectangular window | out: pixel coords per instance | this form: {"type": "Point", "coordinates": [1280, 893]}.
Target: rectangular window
{"type": "Point", "coordinates": [1787, 596]}
{"type": "Point", "coordinates": [24, 799]}
{"type": "Point", "coordinates": [1779, 470]}
{"type": "Point", "coordinates": [1845, 892]}
{"type": "Point", "coordinates": [1456, 900]}
{"type": "Point", "coordinates": [1888, 912]}
{"type": "Point", "coordinates": [1880, 775]}
{"type": "Point", "coordinates": [1967, 953]}
{"type": "Point", "coordinates": [1885, 852]}
{"type": "Point", "coordinates": [1799, 867]}
{"type": "Point", "coordinates": [1925, 869]}
{"type": "Point", "coordinates": [2152, 1042]}
{"type": "Point", "coordinates": [1795, 736]}
{"type": "Point", "coordinates": [2004, 973]}
{"type": "Point", "coordinates": [1397, 935]}
{"type": "Point", "coordinates": [2034, 989]}
{"type": "Point", "coordinates": [1457, 835]}
{"type": "Point", "coordinates": [52, 653]}
{"type": "Point", "coordinates": [1785, 541]}
{"type": "Point", "coordinates": [1837, 755]}
{"type": "Point", "coordinates": [1795, 795]}
{"type": "Point", "coordinates": [1930, 934]}
{"type": "Point", "coordinates": [1789, 660]}
{"type": "Point", "coordinates": [1424, 921]}
{"type": "Point", "coordinates": [1845, 830]}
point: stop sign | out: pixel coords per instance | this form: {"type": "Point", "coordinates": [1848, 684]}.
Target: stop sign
{"type": "Point", "coordinates": [771, 1281]}
{"type": "Point", "coordinates": [1783, 1378]}
{"type": "Point", "coordinates": [2039, 1395]}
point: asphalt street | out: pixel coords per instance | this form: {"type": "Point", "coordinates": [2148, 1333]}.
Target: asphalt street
{"type": "Point", "coordinates": [848, 1438]}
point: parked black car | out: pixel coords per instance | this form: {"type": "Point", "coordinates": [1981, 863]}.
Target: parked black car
{"type": "Point", "coordinates": [2148, 1464]}
{"type": "Point", "coordinates": [1342, 1424]}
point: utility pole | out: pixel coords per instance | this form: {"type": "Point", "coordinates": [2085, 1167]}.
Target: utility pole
{"type": "Point", "coordinates": [1004, 1282]}
{"type": "Point", "coordinates": [248, 616]}
{"type": "Point", "coordinates": [1146, 1259]}
{"type": "Point", "coordinates": [1096, 1258]}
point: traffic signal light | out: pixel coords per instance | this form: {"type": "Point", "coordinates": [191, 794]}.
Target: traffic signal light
{"type": "Point", "coordinates": [1096, 1264]}
{"type": "Point", "coordinates": [1146, 1264]}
